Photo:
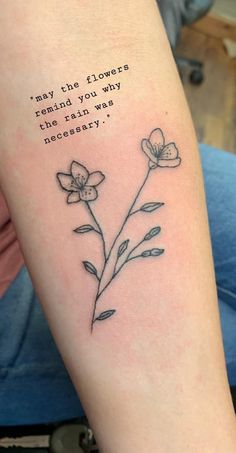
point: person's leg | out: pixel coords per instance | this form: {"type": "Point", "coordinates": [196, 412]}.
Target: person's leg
{"type": "Point", "coordinates": [219, 170]}
{"type": "Point", "coordinates": [34, 385]}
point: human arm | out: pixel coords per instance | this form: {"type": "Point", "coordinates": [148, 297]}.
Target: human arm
{"type": "Point", "coordinates": [158, 361]}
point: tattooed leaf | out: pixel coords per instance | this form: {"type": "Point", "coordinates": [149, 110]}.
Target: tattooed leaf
{"type": "Point", "coordinates": [84, 229]}
{"type": "Point", "coordinates": [157, 252]}
{"type": "Point", "coordinates": [90, 268]}
{"type": "Point", "coordinates": [150, 207]}
{"type": "Point", "coordinates": [105, 314]}
{"type": "Point", "coordinates": [153, 232]}
{"type": "Point", "coordinates": [123, 247]}
{"type": "Point", "coordinates": [146, 253]}
{"type": "Point", "coordinates": [152, 252]}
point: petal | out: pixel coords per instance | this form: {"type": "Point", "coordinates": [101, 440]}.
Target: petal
{"type": "Point", "coordinates": [79, 173]}
{"type": "Point", "coordinates": [169, 152]}
{"type": "Point", "coordinates": [95, 178]}
{"type": "Point", "coordinates": [73, 197]}
{"type": "Point", "coordinates": [66, 182]}
{"type": "Point", "coordinates": [88, 193]}
{"type": "Point", "coordinates": [157, 139]}
{"type": "Point", "coordinates": [147, 148]}
{"type": "Point", "coordinates": [169, 163]}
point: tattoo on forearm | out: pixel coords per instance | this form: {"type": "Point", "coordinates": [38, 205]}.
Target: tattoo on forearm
{"type": "Point", "coordinates": [82, 187]}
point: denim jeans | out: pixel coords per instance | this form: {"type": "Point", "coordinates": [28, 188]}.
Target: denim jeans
{"type": "Point", "coordinates": [34, 384]}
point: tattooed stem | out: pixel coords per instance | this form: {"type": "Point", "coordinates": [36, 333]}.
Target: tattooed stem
{"type": "Point", "coordinates": [113, 276]}
{"type": "Point", "coordinates": [99, 228]}
{"type": "Point", "coordinates": [125, 220]}
{"type": "Point", "coordinates": [129, 213]}
{"type": "Point", "coordinates": [134, 212]}
{"type": "Point", "coordinates": [125, 262]}
{"type": "Point", "coordinates": [127, 259]}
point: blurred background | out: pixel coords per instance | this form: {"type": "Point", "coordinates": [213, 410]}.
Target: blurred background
{"type": "Point", "coordinates": [205, 31]}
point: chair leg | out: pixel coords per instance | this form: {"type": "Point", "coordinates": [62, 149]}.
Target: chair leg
{"type": "Point", "coordinates": [196, 75]}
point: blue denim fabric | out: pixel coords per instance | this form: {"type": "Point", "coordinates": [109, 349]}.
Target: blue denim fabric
{"type": "Point", "coordinates": [219, 169]}
{"type": "Point", "coordinates": [34, 385]}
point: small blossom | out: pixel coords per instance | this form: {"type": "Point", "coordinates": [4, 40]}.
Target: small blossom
{"type": "Point", "coordinates": [80, 184]}
{"type": "Point", "coordinates": [160, 154]}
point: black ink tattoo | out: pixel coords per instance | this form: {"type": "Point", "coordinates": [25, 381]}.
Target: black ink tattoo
{"type": "Point", "coordinates": [82, 186]}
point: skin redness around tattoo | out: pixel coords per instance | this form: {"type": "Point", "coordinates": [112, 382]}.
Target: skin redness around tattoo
{"type": "Point", "coordinates": [82, 186]}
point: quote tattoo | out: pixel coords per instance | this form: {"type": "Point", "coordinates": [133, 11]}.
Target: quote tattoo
{"type": "Point", "coordinates": [81, 186]}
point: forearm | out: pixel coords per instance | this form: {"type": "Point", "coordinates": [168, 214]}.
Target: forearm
{"type": "Point", "coordinates": [153, 371]}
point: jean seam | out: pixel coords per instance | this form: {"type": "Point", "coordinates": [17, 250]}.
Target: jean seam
{"type": "Point", "coordinates": [227, 291]}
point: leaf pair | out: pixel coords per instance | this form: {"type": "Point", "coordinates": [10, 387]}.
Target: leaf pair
{"type": "Point", "coordinates": [152, 252]}
{"type": "Point", "coordinates": [92, 270]}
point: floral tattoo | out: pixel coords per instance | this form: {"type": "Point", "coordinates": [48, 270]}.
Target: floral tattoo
{"type": "Point", "coordinates": [81, 186]}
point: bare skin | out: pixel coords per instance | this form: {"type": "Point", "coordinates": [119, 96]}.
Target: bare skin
{"type": "Point", "coordinates": [152, 376]}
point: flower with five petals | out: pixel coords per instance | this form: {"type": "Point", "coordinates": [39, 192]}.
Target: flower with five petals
{"type": "Point", "coordinates": [160, 154]}
{"type": "Point", "coordinates": [80, 184]}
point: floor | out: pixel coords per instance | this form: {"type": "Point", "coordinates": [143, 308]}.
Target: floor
{"type": "Point", "coordinates": [225, 8]}
{"type": "Point", "coordinates": [213, 104]}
